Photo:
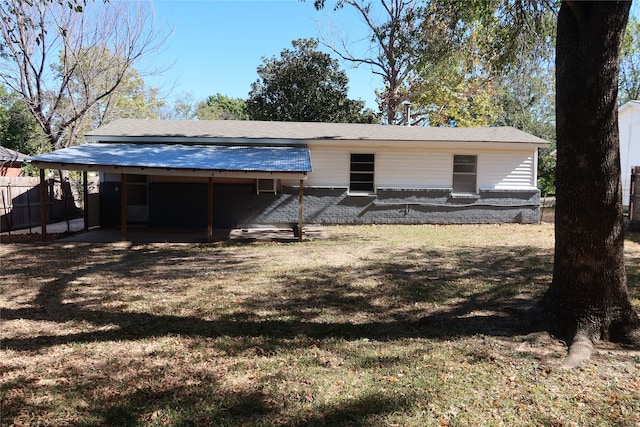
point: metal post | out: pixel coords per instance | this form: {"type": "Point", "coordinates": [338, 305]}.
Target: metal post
{"type": "Point", "coordinates": [85, 195]}
{"type": "Point", "coordinates": [29, 210]}
{"type": "Point", "coordinates": [300, 198]}
{"type": "Point", "coordinates": [43, 207]}
{"type": "Point", "coordinates": [210, 210]}
{"type": "Point", "coordinates": [123, 207]}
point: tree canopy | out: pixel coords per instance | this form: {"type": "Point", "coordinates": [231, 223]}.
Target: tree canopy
{"type": "Point", "coordinates": [18, 129]}
{"type": "Point", "coordinates": [304, 84]}
{"type": "Point", "coordinates": [222, 107]}
{"type": "Point", "coordinates": [449, 58]}
{"type": "Point", "coordinates": [94, 47]}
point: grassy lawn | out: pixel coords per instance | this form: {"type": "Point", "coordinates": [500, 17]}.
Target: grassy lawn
{"type": "Point", "coordinates": [375, 326]}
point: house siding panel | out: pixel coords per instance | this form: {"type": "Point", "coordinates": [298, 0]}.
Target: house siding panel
{"type": "Point", "coordinates": [413, 169]}
{"type": "Point", "coordinates": [330, 167]}
{"type": "Point", "coordinates": [506, 170]}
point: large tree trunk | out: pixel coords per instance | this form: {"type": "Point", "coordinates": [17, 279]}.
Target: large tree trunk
{"type": "Point", "coordinates": [588, 298]}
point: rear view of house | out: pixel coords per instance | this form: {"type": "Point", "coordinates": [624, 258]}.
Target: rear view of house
{"type": "Point", "coordinates": [251, 172]}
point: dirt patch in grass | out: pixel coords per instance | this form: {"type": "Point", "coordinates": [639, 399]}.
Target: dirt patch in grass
{"type": "Point", "coordinates": [377, 325]}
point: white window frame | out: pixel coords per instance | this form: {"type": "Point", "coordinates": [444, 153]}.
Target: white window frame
{"type": "Point", "coordinates": [361, 164]}
{"type": "Point", "coordinates": [465, 171]}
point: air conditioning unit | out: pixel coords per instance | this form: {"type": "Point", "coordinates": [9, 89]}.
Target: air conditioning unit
{"type": "Point", "coordinates": [266, 186]}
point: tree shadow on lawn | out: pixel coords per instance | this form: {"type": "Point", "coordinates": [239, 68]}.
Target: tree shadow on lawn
{"type": "Point", "coordinates": [415, 293]}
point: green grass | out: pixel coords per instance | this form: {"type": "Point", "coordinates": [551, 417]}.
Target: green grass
{"type": "Point", "coordinates": [375, 326]}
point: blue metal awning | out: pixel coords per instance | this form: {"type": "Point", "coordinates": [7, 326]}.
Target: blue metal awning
{"type": "Point", "coordinates": [175, 157]}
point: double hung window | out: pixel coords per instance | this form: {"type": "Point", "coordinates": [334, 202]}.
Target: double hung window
{"type": "Point", "coordinates": [361, 178]}
{"type": "Point", "coordinates": [464, 173]}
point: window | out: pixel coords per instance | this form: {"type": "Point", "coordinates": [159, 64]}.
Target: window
{"type": "Point", "coordinates": [464, 174]}
{"type": "Point", "coordinates": [361, 177]}
{"type": "Point", "coordinates": [137, 190]}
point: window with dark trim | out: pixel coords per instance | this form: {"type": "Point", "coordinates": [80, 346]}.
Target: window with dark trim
{"type": "Point", "coordinates": [137, 190]}
{"type": "Point", "coordinates": [464, 173]}
{"type": "Point", "coordinates": [361, 176]}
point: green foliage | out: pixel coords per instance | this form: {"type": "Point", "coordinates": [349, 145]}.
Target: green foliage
{"type": "Point", "coordinates": [127, 95]}
{"type": "Point", "coordinates": [515, 28]}
{"type": "Point", "coordinates": [404, 37]}
{"type": "Point", "coordinates": [304, 84]}
{"type": "Point", "coordinates": [132, 99]}
{"type": "Point", "coordinates": [500, 72]}
{"type": "Point", "coordinates": [527, 99]}
{"type": "Point", "coordinates": [547, 170]}
{"type": "Point", "coordinates": [18, 129]}
{"type": "Point", "coordinates": [459, 90]}
{"type": "Point", "coordinates": [221, 107]}
{"type": "Point", "coordinates": [96, 46]}
{"type": "Point", "coordinates": [629, 78]}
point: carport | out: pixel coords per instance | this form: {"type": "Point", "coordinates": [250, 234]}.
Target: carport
{"type": "Point", "coordinates": [180, 160]}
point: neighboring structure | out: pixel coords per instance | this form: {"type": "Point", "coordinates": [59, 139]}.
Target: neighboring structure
{"type": "Point", "coordinates": [258, 172]}
{"type": "Point", "coordinates": [11, 162]}
{"type": "Point", "coordinates": [629, 126]}
{"type": "Point", "coordinates": [634, 203]}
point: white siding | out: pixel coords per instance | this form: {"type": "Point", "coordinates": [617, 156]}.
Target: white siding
{"type": "Point", "coordinates": [394, 168]}
{"type": "Point", "coordinates": [506, 170]}
{"type": "Point", "coordinates": [410, 167]}
{"type": "Point", "coordinates": [629, 126]}
{"type": "Point", "coordinates": [413, 169]}
{"type": "Point", "coordinates": [330, 167]}
{"type": "Point", "coordinates": [398, 167]}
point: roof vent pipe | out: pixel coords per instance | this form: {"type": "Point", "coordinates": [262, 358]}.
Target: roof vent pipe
{"type": "Point", "coordinates": [407, 113]}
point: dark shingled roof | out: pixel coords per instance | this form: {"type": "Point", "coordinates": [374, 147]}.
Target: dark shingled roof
{"type": "Point", "coordinates": [236, 131]}
{"type": "Point", "coordinates": [8, 155]}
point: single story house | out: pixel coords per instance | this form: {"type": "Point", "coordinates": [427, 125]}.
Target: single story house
{"type": "Point", "coordinates": [262, 173]}
{"type": "Point", "coordinates": [629, 127]}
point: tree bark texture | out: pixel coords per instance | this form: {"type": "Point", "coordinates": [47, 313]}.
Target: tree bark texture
{"type": "Point", "coordinates": [588, 297]}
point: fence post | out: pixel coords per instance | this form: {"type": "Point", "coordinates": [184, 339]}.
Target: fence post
{"type": "Point", "coordinates": [7, 211]}
{"type": "Point", "coordinates": [29, 210]}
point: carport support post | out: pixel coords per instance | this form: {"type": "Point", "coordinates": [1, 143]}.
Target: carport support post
{"type": "Point", "coordinates": [123, 207]}
{"type": "Point", "coordinates": [43, 206]}
{"type": "Point", "coordinates": [210, 210]}
{"type": "Point", "coordinates": [300, 198]}
{"type": "Point", "coordinates": [85, 192]}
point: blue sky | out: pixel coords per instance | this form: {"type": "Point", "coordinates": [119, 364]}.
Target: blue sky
{"type": "Point", "coordinates": [216, 46]}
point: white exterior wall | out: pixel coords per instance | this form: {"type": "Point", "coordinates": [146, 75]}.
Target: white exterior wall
{"type": "Point", "coordinates": [109, 177]}
{"type": "Point", "coordinates": [413, 169]}
{"type": "Point", "coordinates": [410, 167]}
{"type": "Point", "coordinates": [330, 167]}
{"type": "Point", "coordinates": [629, 126]}
{"type": "Point", "coordinates": [507, 171]}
